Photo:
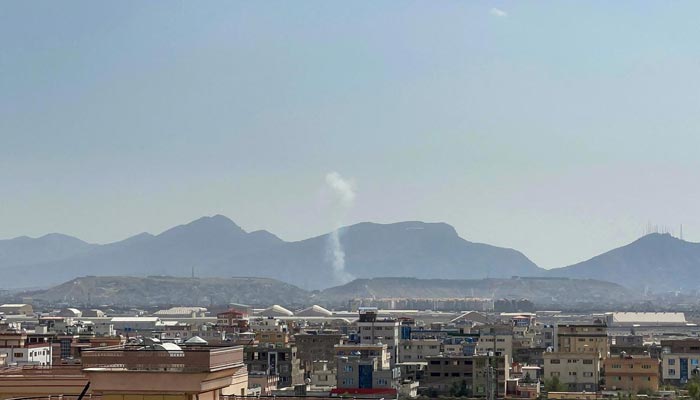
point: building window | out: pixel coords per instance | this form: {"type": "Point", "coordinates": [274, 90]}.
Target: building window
{"type": "Point", "coordinates": [554, 361]}
{"type": "Point", "coordinates": [588, 361]}
{"type": "Point", "coordinates": [671, 371]}
{"type": "Point", "coordinates": [671, 361]}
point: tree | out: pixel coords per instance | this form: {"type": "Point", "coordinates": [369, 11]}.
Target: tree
{"type": "Point", "coordinates": [693, 388]}
{"type": "Point", "coordinates": [554, 385]}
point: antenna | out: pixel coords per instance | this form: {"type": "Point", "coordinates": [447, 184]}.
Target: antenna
{"type": "Point", "coordinates": [192, 272]}
{"type": "Point", "coordinates": [681, 231]}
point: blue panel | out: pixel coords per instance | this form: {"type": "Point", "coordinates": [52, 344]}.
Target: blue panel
{"type": "Point", "coordinates": [684, 369]}
{"type": "Point", "coordinates": [365, 377]}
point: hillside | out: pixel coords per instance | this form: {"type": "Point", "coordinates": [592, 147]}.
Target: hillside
{"type": "Point", "coordinates": [544, 292]}
{"type": "Point", "coordinates": [216, 246]}
{"type": "Point", "coordinates": [658, 262]}
{"type": "Point", "coordinates": [162, 290]}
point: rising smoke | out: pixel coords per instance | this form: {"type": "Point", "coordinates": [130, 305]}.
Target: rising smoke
{"type": "Point", "coordinates": [343, 197]}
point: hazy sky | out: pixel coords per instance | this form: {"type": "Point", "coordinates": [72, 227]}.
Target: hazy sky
{"type": "Point", "coordinates": [557, 128]}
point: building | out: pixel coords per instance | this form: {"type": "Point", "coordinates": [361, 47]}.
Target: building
{"type": "Point", "coordinates": [583, 338]}
{"type": "Point", "coordinates": [366, 370]}
{"type": "Point", "coordinates": [632, 373]}
{"type": "Point", "coordinates": [372, 330]}
{"type": "Point", "coordinates": [273, 360]}
{"type": "Point", "coordinates": [38, 381]}
{"type": "Point", "coordinates": [418, 349]}
{"type": "Point", "coordinates": [578, 371]}
{"type": "Point", "coordinates": [16, 309]}
{"type": "Point", "coordinates": [472, 376]}
{"type": "Point", "coordinates": [21, 350]}
{"type": "Point", "coordinates": [637, 319]}
{"type": "Point", "coordinates": [165, 371]}
{"type": "Point", "coordinates": [680, 359]}
{"type": "Point", "coordinates": [497, 339]}
{"type": "Point", "coordinates": [315, 346]}
{"type": "Point", "coordinates": [233, 321]}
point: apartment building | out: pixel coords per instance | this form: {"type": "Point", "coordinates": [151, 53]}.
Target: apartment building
{"type": "Point", "coordinates": [418, 349]}
{"type": "Point", "coordinates": [583, 338]}
{"type": "Point", "coordinates": [579, 371]}
{"type": "Point", "coordinates": [497, 339]}
{"type": "Point", "coordinates": [366, 369]}
{"type": "Point", "coordinates": [680, 360]}
{"type": "Point", "coordinates": [317, 346]}
{"type": "Point", "coordinates": [21, 350]}
{"type": "Point", "coordinates": [144, 373]}
{"type": "Point", "coordinates": [632, 373]}
{"type": "Point", "coordinates": [372, 330]}
{"type": "Point", "coordinates": [473, 375]}
{"type": "Point", "coordinates": [273, 360]}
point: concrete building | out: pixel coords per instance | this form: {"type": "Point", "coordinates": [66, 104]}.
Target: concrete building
{"type": "Point", "coordinates": [418, 349]}
{"type": "Point", "coordinates": [21, 350]}
{"type": "Point", "coordinates": [583, 338]}
{"type": "Point", "coordinates": [473, 376]}
{"type": "Point", "coordinates": [16, 309]}
{"type": "Point", "coordinates": [165, 371]}
{"type": "Point", "coordinates": [272, 360]}
{"type": "Point", "coordinates": [680, 359]}
{"type": "Point", "coordinates": [578, 371]}
{"type": "Point", "coordinates": [633, 374]}
{"type": "Point", "coordinates": [322, 373]}
{"type": "Point", "coordinates": [365, 369]}
{"type": "Point", "coordinates": [372, 330]}
{"type": "Point", "coordinates": [315, 346]}
{"type": "Point", "coordinates": [497, 339]}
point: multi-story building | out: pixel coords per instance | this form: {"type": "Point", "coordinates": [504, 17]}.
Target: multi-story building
{"type": "Point", "coordinates": [21, 351]}
{"type": "Point", "coordinates": [272, 360]}
{"type": "Point", "coordinates": [166, 371]}
{"type": "Point", "coordinates": [418, 349]}
{"type": "Point", "coordinates": [233, 321]}
{"type": "Point", "coordinates": [578, 371]}
{"type": "Point", "coordinates": [632, 373]}
{"type": "Point", "coordinates": [366, 370]}
{"type": "Point", "coordinates": [497, 339]}
{"type": "Point", "coordinates": [680, 360]}
{"type": "Point", "coordinates": [372, 330]}
{"type": "Point", "coordinates": [583, 338]}
{"type": "Point", "coordinates": [317, 346]}
{"type": "Point", "coordinates": [473, 376]}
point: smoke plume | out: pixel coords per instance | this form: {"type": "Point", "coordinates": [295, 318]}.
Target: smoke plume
{"type": "Point", "coordinates": [343, 198]}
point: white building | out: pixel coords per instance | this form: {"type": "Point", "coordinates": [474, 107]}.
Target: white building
{"type": "Point", "coordinates": [373, 331]}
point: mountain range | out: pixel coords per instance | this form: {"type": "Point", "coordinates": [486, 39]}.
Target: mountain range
{"type": "Point", "coordinates": [217, 247]}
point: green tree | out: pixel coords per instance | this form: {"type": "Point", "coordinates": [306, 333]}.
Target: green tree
{"type": "Point", "coordinates": [554, 385]}
{"type": "Point", "coordinates": [693, 387]}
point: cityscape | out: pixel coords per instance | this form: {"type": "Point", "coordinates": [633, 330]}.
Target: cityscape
{"type": "Point", "coordinates": [311, 200]}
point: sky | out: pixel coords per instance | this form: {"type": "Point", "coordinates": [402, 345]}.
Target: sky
{"type": "Point", "coordinates": [560, 129]}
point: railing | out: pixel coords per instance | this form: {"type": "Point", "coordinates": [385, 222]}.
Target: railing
{"type": "Point", "coordinates": [59, 397]}
{"type": "Point", "coordinates": [139, 358]}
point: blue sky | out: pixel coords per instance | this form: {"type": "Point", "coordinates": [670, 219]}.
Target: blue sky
{"type": "Point", "coordinates": [557, 128]}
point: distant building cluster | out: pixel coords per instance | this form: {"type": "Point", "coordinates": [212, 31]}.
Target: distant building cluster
{"type": "Point", "coordinates": [191, 353]}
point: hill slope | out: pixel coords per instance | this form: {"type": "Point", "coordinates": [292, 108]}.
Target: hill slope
{"type": "Point", "coordinates": [543, 291]}
{"type": "Point", "coordinates": [163, 290]}
{"type": "Point", "coordinates": [658, 262]}
{"type": "Point", "coordinates": [216, 246]}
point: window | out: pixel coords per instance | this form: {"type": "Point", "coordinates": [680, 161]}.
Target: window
{"type": "Point", "coordinates": [434, 374]}
{"type": "Point", "coordinates": [671, 371]}
{"type": "Point", "coordinates": [588, 361]}
{"type": "Point", "coordinates": [554, 361]}
{"type": "Point", "coordinates": [588, 374]}
{"type": "Point", "coordinates": [572, 373]}
{"type": "Point", "coordinates": [347, 368]}
{"type": "Point", "coordinates": [554, 373]}
{"type": "Point", "coordinates": [671, 361]}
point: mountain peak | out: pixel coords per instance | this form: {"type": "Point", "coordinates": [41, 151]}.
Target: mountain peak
{"type": "Point", "coordinates": [216, 224]}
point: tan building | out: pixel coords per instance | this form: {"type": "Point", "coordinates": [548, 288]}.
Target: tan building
{"type": "Point", "coordinates": [578, 371]}
{"type": "Point", "coordinates": [418, 349]}
{"type": "Point", "coordinates": [165, 371]}
{"type": "Point", "coordinates": [34, 381]}
{"type": "Point", "coordinates": [580, 338]}
{"type": "Point", "coordinates": [632, 373]}
{"type": "Point", "coordinates": [473, 375]}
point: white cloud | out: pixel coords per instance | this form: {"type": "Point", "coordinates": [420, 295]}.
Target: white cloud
{"type": "Point", "coordinates": [497, 12]}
